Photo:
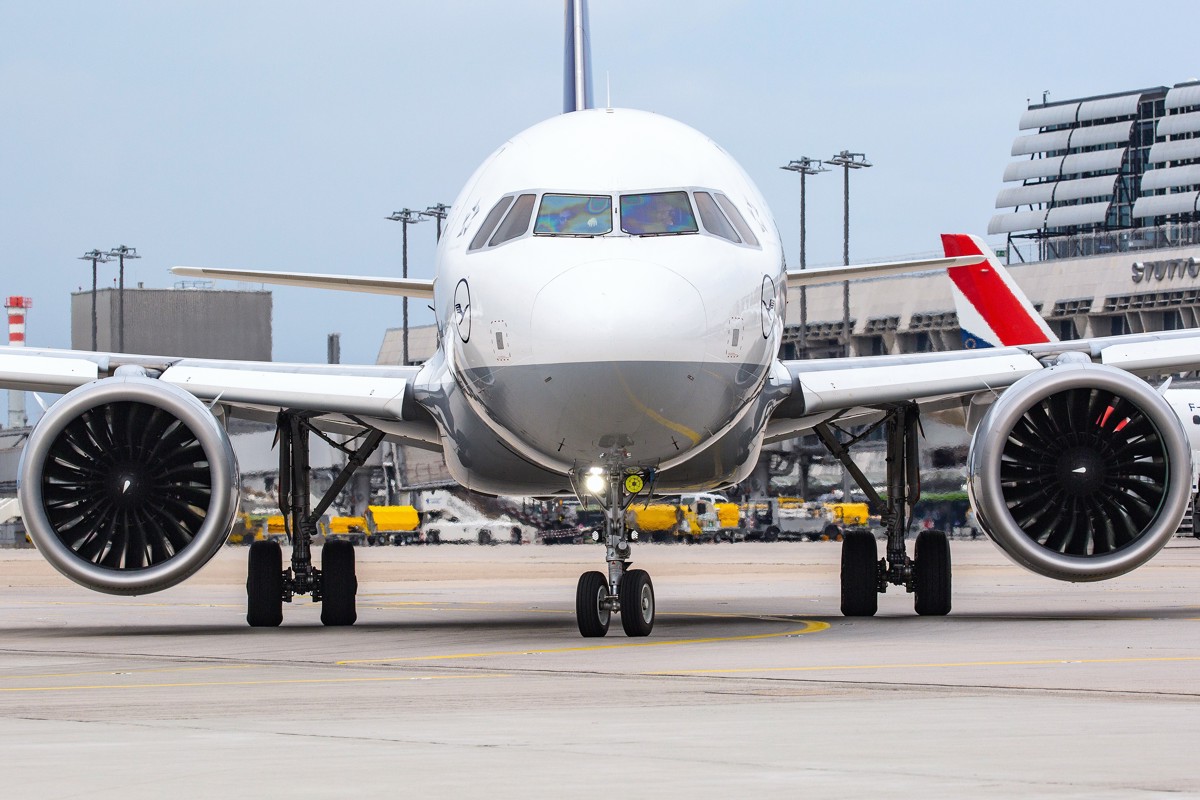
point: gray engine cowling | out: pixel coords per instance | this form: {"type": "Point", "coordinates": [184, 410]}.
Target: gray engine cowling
{"type": "Point", "coordinates": [1080, 472]}
{"type": "Point", "coordinates": [128, 485]}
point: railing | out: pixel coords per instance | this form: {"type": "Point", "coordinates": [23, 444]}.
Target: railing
{"type": "Point", "coordinates": [1099, 243]}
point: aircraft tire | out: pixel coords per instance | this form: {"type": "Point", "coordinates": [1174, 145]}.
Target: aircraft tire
{"type": "Point", "coordinates": [264, 585]}
{"type": "Point", "coordinates": [860, 566]}
{"type": "Point", "coordinates": [931, 574]}
{"type": "Point", "coordinates": [592, 618]}
{"type": "Point", "coordinates": [636, 593]}
{"type": "Point", "coordinates": [338, 584]}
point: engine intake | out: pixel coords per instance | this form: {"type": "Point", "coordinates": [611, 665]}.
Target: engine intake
{"type": "Point", "coordinates": [1080, 472]}
{"type": "Point", "coordinates": [128, 485]}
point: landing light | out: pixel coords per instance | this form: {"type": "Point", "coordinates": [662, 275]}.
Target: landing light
{"type": "Point", "coordinates": [596, 481]}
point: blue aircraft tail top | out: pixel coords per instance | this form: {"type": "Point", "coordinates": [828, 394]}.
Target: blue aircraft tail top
{"type": "Point", "coordinates": [577, 59]}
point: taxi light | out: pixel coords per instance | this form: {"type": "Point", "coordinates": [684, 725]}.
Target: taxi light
{"type": "Point", "coordinates": [595, 482]}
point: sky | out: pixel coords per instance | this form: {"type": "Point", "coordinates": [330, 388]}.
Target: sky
{"type": "Point", "coordinates": [279, 135]}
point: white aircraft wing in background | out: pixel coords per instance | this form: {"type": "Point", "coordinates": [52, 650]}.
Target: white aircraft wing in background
{"type": "Point", "coordinates": [405, 287]}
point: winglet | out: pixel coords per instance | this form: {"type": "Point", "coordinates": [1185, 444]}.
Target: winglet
{"type": "Point", "coordinates": [992, 309]}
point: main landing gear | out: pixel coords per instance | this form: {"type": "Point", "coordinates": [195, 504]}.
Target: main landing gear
{"type": "Point", "coordinates": [864, 574]}
{"type": "Point", "coordinates": [624, 591]}
{"type": "Point", "coordinates": [268, 585]}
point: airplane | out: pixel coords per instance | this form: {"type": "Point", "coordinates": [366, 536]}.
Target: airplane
{"type": "Point", "coordinates": [610, 297]}
{"type": "Point", "coordinates": [993, 311]}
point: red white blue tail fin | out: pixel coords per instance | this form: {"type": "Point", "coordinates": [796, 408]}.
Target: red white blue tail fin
{"type": "Point", "coordinates": [992, 309]}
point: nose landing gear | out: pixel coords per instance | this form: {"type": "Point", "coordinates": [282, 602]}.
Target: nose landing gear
{"type": "Point", "coordinates": [628, 592]}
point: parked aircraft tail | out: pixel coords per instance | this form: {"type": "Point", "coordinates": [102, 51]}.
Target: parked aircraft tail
{"type": "Point", "coordinates": [992, 309]}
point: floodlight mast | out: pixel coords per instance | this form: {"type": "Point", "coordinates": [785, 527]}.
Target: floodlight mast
{"type": "Point", "coordinates": [805, 166]}
{"type": "Point", "coordinates": [96, 257]}
{"type": "Point", "coordinates": [847, 161]}
{"type": "Point", "coordinates": [406, 217]}
{"type": "Point", "coordinates": [437, 212]}
{"type": "Point", "coordinates": [121, 252]}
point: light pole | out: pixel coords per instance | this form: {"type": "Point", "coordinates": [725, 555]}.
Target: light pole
{"type": "Point", "coordinates": [438, 212]}
{"type": "Point", "coordinates": [847, 161]}
{"type": "Point", "coordinates": [96, 257]}
{"type": "Point", "coordinates": [805, 166]}
{"type": "Point", "coordinates": [406, 217]}
{"type": "Point", "coordinates": [121, 252]}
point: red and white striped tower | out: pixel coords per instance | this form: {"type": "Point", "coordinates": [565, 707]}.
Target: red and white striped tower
{"type": "Point", "coordinates": [17, 307]}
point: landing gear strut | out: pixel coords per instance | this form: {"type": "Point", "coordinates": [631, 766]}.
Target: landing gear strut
{"type": "Point", "coordinates": [864, 574]}
{"type": "Point", "coordinates": [628, 592]}
{"type": "Point", "coordinates": [268, 585]}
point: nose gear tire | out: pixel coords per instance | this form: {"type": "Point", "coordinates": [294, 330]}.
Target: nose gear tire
{"type": "Point", "coordinates": [636, 593]}
{"type": "Point", "coordinates": [591, 598]}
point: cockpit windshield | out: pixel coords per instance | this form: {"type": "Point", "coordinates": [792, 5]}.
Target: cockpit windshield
{"type": "Point", "coordinates": [657, 214]}
{"type": "Point", "coordinates": [574, 215]}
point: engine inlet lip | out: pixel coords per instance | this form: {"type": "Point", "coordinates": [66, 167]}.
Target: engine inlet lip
{"type": "Point", "coordinates": [984, 486]}
{"type": "Point", "coordinates": [218, 516]}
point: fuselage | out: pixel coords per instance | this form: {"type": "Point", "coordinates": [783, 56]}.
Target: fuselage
{"type": "Point", "coordinates": [610, 291]}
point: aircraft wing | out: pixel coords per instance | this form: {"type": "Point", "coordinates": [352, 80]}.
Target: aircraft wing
{"type": "Point", "coordinates": [347, 396]}
{"type": "Point", "coordinates": [852, 387]}
{"type": "Point", "coordinates": [406, 287]}
{"type": "Point", "coordinates": [823, 275]}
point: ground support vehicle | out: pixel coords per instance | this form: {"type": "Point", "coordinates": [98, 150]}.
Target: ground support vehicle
{"type": "Point", "coordinates": [771, 519]}
{"type": "Point", "coordinates": [350, 529]}
{"type": "Point", "coordinates": [575, 535]}
{"type": "Point", "coordinates": [398, 525]}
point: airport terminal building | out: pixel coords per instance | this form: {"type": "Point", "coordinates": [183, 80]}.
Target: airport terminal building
{"type": "Point", "coordinates": [1100, 213]}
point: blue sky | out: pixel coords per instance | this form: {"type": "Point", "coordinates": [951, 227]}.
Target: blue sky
{"type": "Point", "coordinates": [279, 135]}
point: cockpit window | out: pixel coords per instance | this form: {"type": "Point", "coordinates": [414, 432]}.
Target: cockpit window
{"type": "Point", "coordinates": [517, 221]}
{"type": "Point", "coordinates": [489, 223]}
{"type": "Point", "coordinates": [657, 214]}
{"type": "Point", "coordinates": [714, 221]}
{"type": "Point", "coordinates": [574, 215]}
{"type": "Point", "coordinates": [737, 219]}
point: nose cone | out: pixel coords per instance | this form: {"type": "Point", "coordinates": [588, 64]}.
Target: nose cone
{"type": "Point", "coordinates": [618, 310]}
{"type": "Point", "coordinates": [618, 365]}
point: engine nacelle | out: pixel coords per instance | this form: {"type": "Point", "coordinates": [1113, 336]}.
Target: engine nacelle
{"type": "Point", "coordinates": [128, 485]}
{"type": "Point", "coordinates": [1080, 472]}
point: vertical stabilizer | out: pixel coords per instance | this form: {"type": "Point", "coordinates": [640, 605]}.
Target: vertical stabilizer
{"type": "Point", "coordinates": [577, 58]}
{"type": "Point", "coordinates": [992, 309]}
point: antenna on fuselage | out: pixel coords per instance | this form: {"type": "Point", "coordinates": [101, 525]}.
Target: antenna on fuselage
{"type": "Point", "coordinates": [607, 90]}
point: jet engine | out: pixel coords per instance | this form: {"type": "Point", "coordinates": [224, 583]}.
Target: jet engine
{"type": "Point", "coordinates": [128, 485]}
{"type": "Point", "coordinates": [1080, 472]}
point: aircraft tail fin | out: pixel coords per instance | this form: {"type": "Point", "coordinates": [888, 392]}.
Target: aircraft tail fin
{"type": "Point", "coordinates": [992, 309]}
{"type": "Point", "coordinates": [577, 58]}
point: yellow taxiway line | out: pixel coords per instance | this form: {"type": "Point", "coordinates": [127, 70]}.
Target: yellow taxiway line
{"type": "Point", "coordinates": [809, 627]}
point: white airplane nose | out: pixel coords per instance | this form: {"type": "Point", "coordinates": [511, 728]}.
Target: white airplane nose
{"type": "Point", "coordinates": [618, 363]}
{"type": "Point", "coordinates": [618, 310]}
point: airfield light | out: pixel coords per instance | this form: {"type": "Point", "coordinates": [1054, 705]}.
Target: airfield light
{"type": "Point", "coordinates": [96, 257]}
{"type": "Point", "coordinates": [406, 217]}
{"type": "Point", "coordinates": [121, 252]}
{"type": "Point", "coordinates": [805, 166]}
{"type": "Point", "coordinates": [437, 212]}
{"type": "Point", "coordinates": [847, 161]}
